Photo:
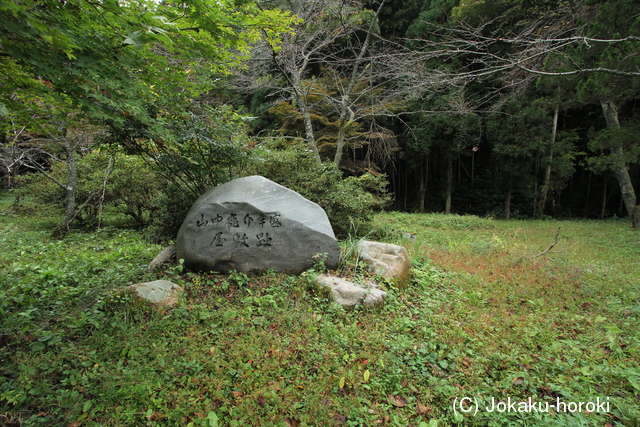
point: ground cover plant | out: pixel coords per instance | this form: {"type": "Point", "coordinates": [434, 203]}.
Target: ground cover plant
{"type": "Point", "coordinates": [482, 317]}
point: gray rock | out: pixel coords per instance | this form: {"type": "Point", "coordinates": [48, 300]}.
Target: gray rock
{"type": "Point", "coordinates": [384, 259]}
{"type": "Point", "coordinates": [160, 293]}
{"type": "Point", "coordinates": [167, 256]}
{"type": "Point", "coordinates": [348, 293]}
{"type": "Point", "coordinates": [252, 224]}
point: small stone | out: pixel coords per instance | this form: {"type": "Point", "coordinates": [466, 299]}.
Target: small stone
{"type": "Point", "coordinates": [160, 293]}
{"type": "Point", "coordinates": [384, 259]}
{"type": "Point", "coordinates": [348, 293]}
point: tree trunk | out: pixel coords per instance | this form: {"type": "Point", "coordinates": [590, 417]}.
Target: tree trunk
{"type": "Point", "coordinates": [536, 192]}
{"type": "Point", "coordinates": [342, 126]}
{"type": "Point", "coordinates": [308, 124]}
{"type": "Point", "coordinates": [473, 167]}
{"type": "Point", "coordinates": [507, 202]}
{"type": "Point", "coordinates": [71, 185]}
{"type": "Point", "coordinates": [619, 165]}
{"type": "Point", "coordinates": [423, 183]}
{"type": "Point", "coordinates": [547, 174]}
{"type": "Point", "coordinates": [604, 199]}
{"type": "Point", "coordinates": [449, 189]}
{"type": "Point", "coordinates": [346, 113]}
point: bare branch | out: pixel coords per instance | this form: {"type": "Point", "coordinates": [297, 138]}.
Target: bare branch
{"type": "Point", "coordinates": [546, 251]}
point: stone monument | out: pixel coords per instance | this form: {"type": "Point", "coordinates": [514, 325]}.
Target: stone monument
{"type": "Point", "coordinates": [252, 224]}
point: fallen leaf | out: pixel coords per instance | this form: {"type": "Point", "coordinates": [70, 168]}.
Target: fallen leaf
{"type": "Point", "coordinates": [339, 417]}
{"type": "Point", "coordinates": [421, 409]}
{"type": "Point", "coordinates": [261, 400]}
{"type": "Point", "coordinates": [290, 422]}
{"type": "Point", "coordinates": [156, 416]}
{"type": "Point", "coordinates": [236, 393]}
{"type": "Point", "coordinates": [398, 401]}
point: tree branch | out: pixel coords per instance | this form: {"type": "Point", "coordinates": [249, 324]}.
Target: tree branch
{"type": "Point", "coordinates": [546, 251]}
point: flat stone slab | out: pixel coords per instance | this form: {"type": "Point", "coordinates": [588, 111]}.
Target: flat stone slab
{"type": "Point", "coordinates": [252, 224]}
{"type": "Point", "coordinates": [160, 293]}
{"type": "Point", "coordinates": [347, 293]}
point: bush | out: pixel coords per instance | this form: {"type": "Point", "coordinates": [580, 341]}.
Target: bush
{"type": "Point", "coordinates": [130, 188]}
{"type": "Point", "coordinates": [349, 203]}
{"type": "Point", "coordinates": [203, 149]}
{"type": "Point", "coordinates": [172, 204]}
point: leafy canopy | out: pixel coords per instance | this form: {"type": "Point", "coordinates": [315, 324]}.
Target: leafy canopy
{"type": "Point", "coordinates": [113, 59]}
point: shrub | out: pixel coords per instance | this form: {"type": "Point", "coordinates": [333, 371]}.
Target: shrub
{"type": "Point", "coordinates": [130, 189]}
{"type": "Point", "coordinates": [172, 204]}
{"type": "Point", "coordinates": [349, 202]}
{"type": "Point", "coordinates": [203, 149]}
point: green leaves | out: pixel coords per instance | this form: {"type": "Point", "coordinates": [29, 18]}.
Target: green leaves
{"type": "Point", "coordinates": [113, 59]}
{"type": "Point", "coordinates": [212, 419]}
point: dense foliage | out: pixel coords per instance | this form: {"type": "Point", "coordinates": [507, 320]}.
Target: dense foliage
{"type": "Point", "coordinates": [349, 203]}
{"type": "Point", "coordinates": [124, 183]}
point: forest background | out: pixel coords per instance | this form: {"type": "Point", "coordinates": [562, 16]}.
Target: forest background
{"type": "Point", "coordinates": [505, 108]}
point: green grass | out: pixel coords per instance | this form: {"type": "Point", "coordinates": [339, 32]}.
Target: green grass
{"type": "Point", "coordinates": [481, 318]}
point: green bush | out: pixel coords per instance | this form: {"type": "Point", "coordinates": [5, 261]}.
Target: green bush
{"type": "Point", "coordinates": [349, 202]}
{"type": "Point", "coordinates": [131, 187]}
{"type": "Point", "coordinates": [203, 149]}
{"type": "Point", "coordinates": [172, 204]}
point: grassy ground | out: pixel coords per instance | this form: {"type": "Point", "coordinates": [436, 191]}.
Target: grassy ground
{"type": "Point", "coordinates": [482, 318]}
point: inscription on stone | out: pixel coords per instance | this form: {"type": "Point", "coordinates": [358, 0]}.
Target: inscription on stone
{"type": "Point", "coordinates": [252, 224]}
{"type": "Point", "coordinates": [250, 230]}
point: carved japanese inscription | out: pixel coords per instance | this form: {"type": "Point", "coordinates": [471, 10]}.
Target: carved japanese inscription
{"type": "Point", "coordinates": [241, 229]}
{"type": "Point", "coordinates": [252, 224]}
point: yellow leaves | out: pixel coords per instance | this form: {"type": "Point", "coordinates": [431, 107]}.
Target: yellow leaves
{"type": "Point", "coordinates": [366, 376]}
{"type": "Point", "coordinates": [342, 382]}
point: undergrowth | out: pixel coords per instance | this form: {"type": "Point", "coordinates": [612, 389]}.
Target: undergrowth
{"type": "Point", "coordinates": [481, 318]}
